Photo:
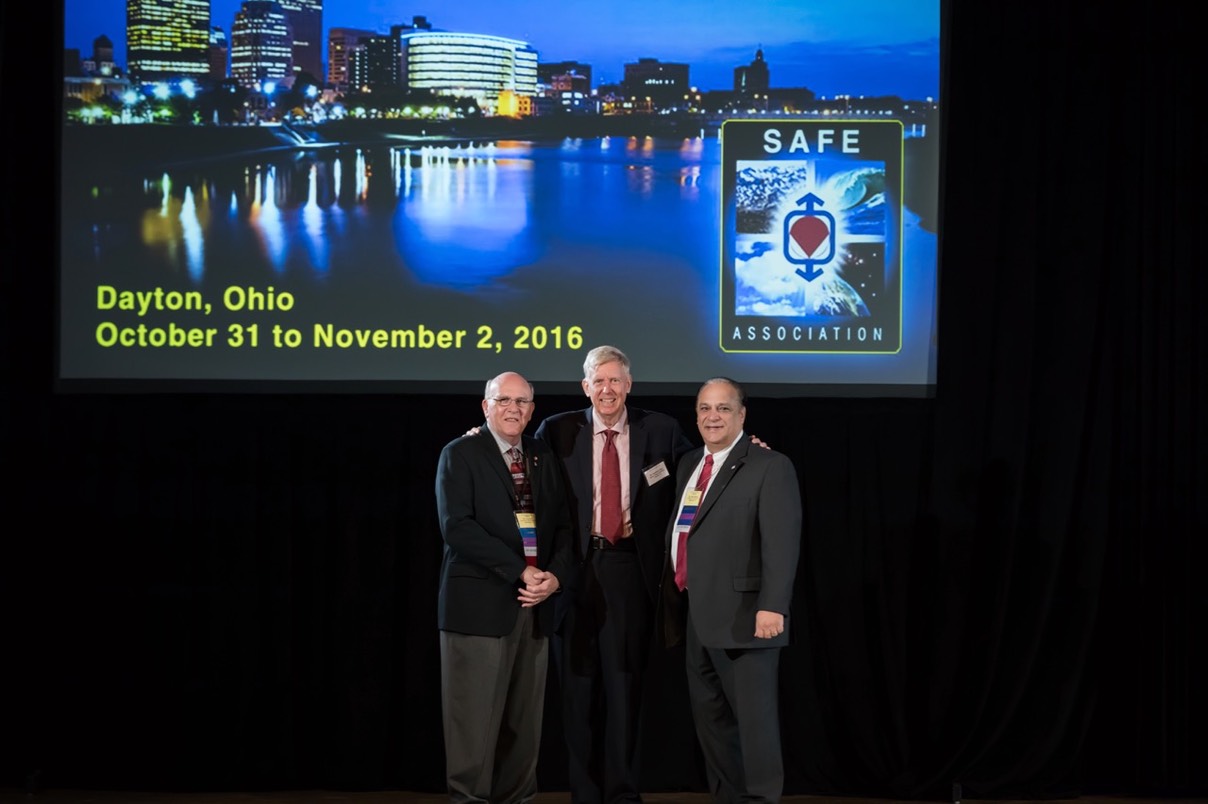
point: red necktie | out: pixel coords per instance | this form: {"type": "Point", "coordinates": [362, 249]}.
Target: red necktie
{"type": "Point", "coordinates": [612, 520]}
{"type": "Point", "coordinates": [687, 514]}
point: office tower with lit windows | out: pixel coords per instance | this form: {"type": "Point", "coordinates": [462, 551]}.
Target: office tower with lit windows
{"type": "Point", "coordinates": [371, 64]}
{"type": "Point", "coordinates": [167, 39]}
{"type": "Point", "coordinates": [340, 42]}
{"type": "Point", "coordinates": [305, 20]}
{"type": "Point", "coordinates": [467, 65]}
{"type": "Point", "coordinates": [418, 23]}
{"type": "Point", "coordinates": [218, 53]}
{"type": "Point", "coordinates": [261, 43]}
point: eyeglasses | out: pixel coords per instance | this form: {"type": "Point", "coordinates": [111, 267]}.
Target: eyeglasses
{"type": "Point", "coordinates": [505, 401]}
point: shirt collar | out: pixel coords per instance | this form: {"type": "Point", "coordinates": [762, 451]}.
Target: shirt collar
{"type": "Point", "coordinates": [619, 426]}
{"type": "Point", "coordinates": [505, 447]}
{"type": "Point", "coordinates": [720, 456]}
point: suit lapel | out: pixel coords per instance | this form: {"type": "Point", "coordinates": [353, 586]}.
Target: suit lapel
{"type": "Point", "coordinates": [580, 471]}
{"type": "Point", "coordinates": [637, 448]}
{"type": "Point", "coordinates": [724, 474]}
{"type": "Point", "coordinates": [684, 469]}
{"type": "Point", "coordinates": [499, 467]}
{"type": "Point", "coordinates": [532, 467]}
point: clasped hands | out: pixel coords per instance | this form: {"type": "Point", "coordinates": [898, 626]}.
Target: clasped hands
{"type": "Point", "coordinates": [538, 585]}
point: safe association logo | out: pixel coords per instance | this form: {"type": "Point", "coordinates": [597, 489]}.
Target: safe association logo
{"type": "Point", "coordinates": [811, 240]}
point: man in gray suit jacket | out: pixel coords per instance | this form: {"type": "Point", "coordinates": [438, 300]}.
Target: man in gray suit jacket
{"type": "Point", "coordinates": [507, 532]}
{"type": "Point", "coordinates": [732, 552]}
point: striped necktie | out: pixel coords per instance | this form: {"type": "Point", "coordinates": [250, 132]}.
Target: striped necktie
{"type": "Point", "coordinates": [687, 514]}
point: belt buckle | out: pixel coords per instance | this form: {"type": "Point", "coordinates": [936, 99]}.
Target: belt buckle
{"type": "Point", "coordinates": [622, 544]}
{"type": "Point", "coordinates": [602, 543]}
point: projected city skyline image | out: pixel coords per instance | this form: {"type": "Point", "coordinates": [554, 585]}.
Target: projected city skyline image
{"type": "Point", "coordinates": [872, 47]}
{"type": "Point", "coordinates": [416, 198]}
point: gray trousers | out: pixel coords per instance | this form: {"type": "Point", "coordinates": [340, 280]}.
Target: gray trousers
{"type": "Point", "coordinates": [492, 695]}
{"type": "Point", "coordinates": [735, 708]}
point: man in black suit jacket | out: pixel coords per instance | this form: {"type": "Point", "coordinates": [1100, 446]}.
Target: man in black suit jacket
{"type": "Point", "coordinates": [507, 534]}
{"type": "Point", "coordinates": [605, 639]}
{"type": "Point", "coordinates": [732, 554]}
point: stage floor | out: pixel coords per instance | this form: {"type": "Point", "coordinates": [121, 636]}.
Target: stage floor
{"type": "Point", "coordinates": [401, 797]}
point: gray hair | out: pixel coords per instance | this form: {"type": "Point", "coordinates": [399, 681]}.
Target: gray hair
{"type": "Point", "coordinates": [738, 389]}
{"type": "Point", "coordinates": [601, 355]}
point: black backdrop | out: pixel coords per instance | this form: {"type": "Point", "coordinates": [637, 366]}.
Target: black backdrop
{"type": "Point", "coordinates": [1001, 586]}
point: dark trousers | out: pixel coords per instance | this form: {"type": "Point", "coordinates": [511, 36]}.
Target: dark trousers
{"type": "Point", "coordinates": [735, 709]}
{"type": "Point", "coordinates": [492, 697]}
{"type": "Point", "coordinates": [602, 653]}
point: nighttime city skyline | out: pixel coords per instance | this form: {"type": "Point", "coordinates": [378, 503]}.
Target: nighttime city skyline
{"type": "Point", "coordinates": [461, 174]}
{"type": "Point", "coordinates": [871, 47]}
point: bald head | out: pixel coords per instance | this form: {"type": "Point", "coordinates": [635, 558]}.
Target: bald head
{"type": "Point", "coordinates": [508, 405]}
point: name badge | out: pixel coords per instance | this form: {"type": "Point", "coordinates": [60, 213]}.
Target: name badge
{"type": "Point", "coordinates": [526, 522]}
{"type": "Point", "coordinates": [692, 497]}
{"type": "Point", "coordinates": [656, 473]}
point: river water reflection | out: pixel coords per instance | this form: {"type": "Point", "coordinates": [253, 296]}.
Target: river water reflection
{"type": "Point", "coordinates": [459, 216]}
{"type": "Point", "coordinates": [617, 237]}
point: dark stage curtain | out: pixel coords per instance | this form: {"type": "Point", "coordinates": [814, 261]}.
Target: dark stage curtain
{"type": "Point", "coordinates": [1001, 586]}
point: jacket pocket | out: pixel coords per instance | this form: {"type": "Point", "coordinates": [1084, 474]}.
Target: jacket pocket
{"type": "Point", "coordinates": [749, 583]}
{"type": "Point", "coordinates": [464, 569]}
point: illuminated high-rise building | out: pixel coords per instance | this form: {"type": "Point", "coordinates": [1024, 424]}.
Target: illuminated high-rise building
{"type": "Point", "coordinates": [371, 64]}
{"type": "Point", "coordinates": [305, 20]}
{"type": "Point", "coordinates": [218, 53]}
{"type": "Point", "coordinates": [418, 23]}
{"type": "Point", "coordinates": [261, 43]}
{"type": "Point", "coordinates": [340, 42]}
{"type": "Point", "coordinates": [167, 39]}
{"type": "Point", "coordinates": [467, 65]}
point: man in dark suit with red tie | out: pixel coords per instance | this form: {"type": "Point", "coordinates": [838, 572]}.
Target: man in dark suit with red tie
{"type": "Point", "coordinates": [619, 463]}
{"type": "Point", "coordinates": [732, 551]}
{"type": "Point", "coordinates": [503, 515]}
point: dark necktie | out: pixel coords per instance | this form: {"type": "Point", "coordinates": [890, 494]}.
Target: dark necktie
{"type": "Point", "coordinates": [612, 520]}
{"type": "Point", "coordinates": [525, 519]}
{"type": "Point", "coordinates": [524, 496]}
{"type": "Point", "coordinates": [687, 514]}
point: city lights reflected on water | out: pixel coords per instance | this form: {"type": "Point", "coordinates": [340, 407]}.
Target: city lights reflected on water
{"type": "Point", "coordinates": [313, 220]}
{"type": "Point", "coordinates": [193, 235]}
{"type": "Point", "coordinates": [266, 219]}
{"type": "Point", "coordinates": [458, 214]}
{"type": "Point", "coordinates": [175, 227]}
